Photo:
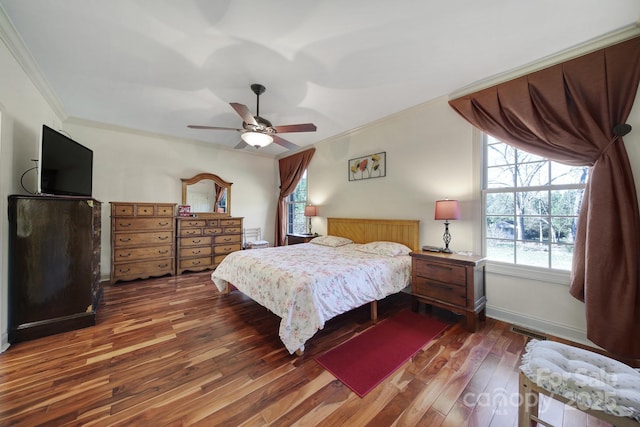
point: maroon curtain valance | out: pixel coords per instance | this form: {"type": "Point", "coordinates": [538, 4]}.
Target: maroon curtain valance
{"type": "Point", "coordinates": [567, 113]}
{"type": "Point", "coordinates": [291, 170]}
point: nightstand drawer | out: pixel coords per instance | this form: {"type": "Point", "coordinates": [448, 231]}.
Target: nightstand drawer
{"type": "Point", "coordinates": [452, 274]}
{"type": "Point", "coordinates": [447, 292]}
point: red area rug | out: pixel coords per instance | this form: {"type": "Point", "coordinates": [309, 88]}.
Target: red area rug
{"type": "Point", "coordinates": [367, 359]}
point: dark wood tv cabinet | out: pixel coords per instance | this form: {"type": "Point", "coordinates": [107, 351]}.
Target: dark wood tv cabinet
{"type": "Point", "coordinates": [54, 265]}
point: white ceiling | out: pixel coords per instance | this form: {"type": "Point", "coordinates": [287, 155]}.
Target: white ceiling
{"type": "Point", "coordinates": [158, 65]}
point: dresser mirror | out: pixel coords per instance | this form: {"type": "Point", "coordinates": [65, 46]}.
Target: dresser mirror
{"type": "Point", "coordinates": [207, 194]}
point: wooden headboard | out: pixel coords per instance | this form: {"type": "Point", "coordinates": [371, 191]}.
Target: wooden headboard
{"type": "Point", "coordinates": [402, 231]}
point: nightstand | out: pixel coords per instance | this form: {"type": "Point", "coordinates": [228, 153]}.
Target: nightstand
{"type": "Point", "coordinates": [451, 281]}
{"type": "Point", "coordinates": [294, 239]}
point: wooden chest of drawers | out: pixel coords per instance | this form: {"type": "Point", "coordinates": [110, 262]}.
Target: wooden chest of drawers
{"type": "Point", "coordinates": [451, 281]}
{"type": "Point", "coordinates": [202, 244]}
{"type": "Point", "coordinates": [142, 240]}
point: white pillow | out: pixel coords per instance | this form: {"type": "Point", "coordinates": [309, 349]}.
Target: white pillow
{"type": "Point", "coordinates": [333, 241]}
{"type": "Point", "coordinates": [384, 248]}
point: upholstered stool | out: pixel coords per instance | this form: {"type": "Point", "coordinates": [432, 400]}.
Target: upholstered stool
{"type": "Point", "coordinates": [600, 386]}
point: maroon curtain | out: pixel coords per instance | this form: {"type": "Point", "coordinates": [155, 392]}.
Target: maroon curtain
{"type": "Point", "coordinates": [291, 170]}
{"type": "Point", "coordinates": [567, 113]}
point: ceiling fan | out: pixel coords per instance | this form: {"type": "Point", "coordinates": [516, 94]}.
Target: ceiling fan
{"type": "Point", "coordinates": [258, 131]}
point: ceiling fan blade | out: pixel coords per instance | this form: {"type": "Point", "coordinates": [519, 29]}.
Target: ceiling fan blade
{"type": "Point", "coordinates": [284, 143]}
{"type": "Point", "coordinates": [241, 144]}
{"type": "Point", "coordinates": [303, 127]}
{"type": "Point", "coordinates": [212, 127]}
{"type": "Point", "coordinates": [244, 112]}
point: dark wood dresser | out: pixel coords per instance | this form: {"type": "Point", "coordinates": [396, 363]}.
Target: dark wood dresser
{"type": "Point", "coordinates": [54, 265]}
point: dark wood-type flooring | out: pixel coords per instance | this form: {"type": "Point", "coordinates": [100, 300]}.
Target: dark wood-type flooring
{"type": "Point", "coordinates": [174, 351]}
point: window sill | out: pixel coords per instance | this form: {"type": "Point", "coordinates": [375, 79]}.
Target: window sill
{"type": "Point", "coordinates": [557, 277]}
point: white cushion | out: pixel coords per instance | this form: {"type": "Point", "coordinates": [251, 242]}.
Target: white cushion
{"type": "Point", "coordinates": [591, 380]}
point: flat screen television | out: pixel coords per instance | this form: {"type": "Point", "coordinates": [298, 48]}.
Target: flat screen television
{"type": "Point", "coordinates": [66, 167]}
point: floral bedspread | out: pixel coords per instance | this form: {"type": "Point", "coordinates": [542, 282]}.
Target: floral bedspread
{"type": "Point", "coordinates": [308, 284]}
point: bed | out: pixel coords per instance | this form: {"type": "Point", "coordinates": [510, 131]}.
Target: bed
{"type": "Point", "coordinates": [360, 261]}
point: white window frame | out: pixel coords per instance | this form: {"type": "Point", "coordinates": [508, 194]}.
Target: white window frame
{"type": "Point", "coordinates": [544, 274]}
{"type": "Point", "coordinates": [290, 210]}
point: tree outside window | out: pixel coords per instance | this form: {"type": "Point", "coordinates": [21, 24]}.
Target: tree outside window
{"type": "Point", "coordinates": [296, 221]}
{"type": "Point", "coordinates": [531, 207]}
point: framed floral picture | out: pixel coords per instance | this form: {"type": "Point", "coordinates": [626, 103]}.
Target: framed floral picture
{"type": "Point", "coordinates": [371, 166]}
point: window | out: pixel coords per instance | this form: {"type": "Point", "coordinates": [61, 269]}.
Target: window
{"type": "Point", "coordinates": [531, 207]}
{"type": "Point", "coordinates": [296, 221]}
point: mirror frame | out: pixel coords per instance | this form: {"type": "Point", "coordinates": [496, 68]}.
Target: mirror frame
{"type": "Point", "coordinates": [218, 181]}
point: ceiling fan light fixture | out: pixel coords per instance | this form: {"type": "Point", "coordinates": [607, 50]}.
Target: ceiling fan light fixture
{"type": "Point", "coordinates": [257, 139]}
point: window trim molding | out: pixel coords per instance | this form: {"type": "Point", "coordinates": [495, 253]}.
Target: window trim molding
{"type": "Point", "coordinates": [539, 274]}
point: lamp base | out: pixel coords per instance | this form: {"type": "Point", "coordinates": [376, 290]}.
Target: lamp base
{"type": "Point", "coordinates": [446, 251]}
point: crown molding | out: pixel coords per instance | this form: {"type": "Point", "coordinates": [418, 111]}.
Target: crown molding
{"type": "Point", "coordinates": [18, 49]}
{"type": "Point", "coordinates": [613, 37]}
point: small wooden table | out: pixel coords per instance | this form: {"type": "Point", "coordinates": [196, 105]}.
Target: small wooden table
{"type": "Point", "coordinates": [294, 239]}
{"type": "Point", "coordinates": [451, 281]}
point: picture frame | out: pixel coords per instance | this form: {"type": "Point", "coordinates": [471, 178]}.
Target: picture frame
{"type": "Point", "coordinates": [367, 167]}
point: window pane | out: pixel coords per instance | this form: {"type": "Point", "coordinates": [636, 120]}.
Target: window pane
{"type": "Point", "coordinates": [565, 174]}
{"type": "Point", "coordinates": [535, 229]}
{"type": "Point", "coordinates": [500, 250]}
{"type": "Point", "coordinates": [561, 256]}
{"type": "Point", "coordinates": [532, 202]}
{"type": "Point", "coordinates": [501, 176]}
{"type": "Point", "coordinates": [564, 229]}
{"type": "Point", "coordinates": [533, 254]}
{"type": "Point", "coordinates": [533, 174]}
{"type": "Point", "coordinates": [500, 155]}
{"type": "Point", "coordinates": [500, 227]}
{"type": "Point", "coordinates": [500, 204]}
{"type": "Point", "coordinates": [566, 202]}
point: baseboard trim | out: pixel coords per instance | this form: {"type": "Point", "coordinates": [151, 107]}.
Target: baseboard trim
{"type": "Point", "coordinates": [544, 327]}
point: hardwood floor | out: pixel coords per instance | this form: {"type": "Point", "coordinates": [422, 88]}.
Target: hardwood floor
{"type": "Point", "coordinates": [173, 351]}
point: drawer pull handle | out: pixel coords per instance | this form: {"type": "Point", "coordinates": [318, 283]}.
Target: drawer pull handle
{"type": "Point", "coordinates": [163, 237]}
{"type": "Point", "coordinates": [196, 241]}
{"type": "Point", "coordinates": [162, 224]}
{"type": "Point", "coordinates": [125, 225]}
{"type": "Point", "coordinates": [195, 252]}
{"type": "Point", "coordinates": [163, 265]}
{"type": "Point", "coordinates": [193, 223]}
{"type": "Point", "coordinates": [125, 240]}
{"type": "Point", "coordinates": [227, 249]}
{"type": "Point", "coordinates": [125, 255]}
{"type": "Point", "coordinates": [163, 252]}
{"type": "Point", "coordinates": [195, 262]}
{"type": "Point", "coordinates": [124, 270]}
{"type": "Point", "coordinates": [228, 239]}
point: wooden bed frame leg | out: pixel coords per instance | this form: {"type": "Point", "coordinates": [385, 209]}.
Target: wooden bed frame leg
{"type": "Point", "coordinates": [374, 311]}
{"type": "Point", "coordinates": [299, 352]}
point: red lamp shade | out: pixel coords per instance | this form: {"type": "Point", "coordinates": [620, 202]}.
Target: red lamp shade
{"type": "Point", "coordinates": [446, 209]}
{"type": "Point", "coordinates": [310, 211]}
